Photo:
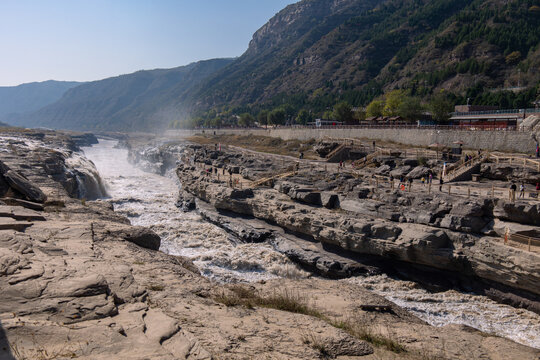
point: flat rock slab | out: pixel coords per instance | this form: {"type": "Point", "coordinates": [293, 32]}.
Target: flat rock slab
{"type": "Point", "coordinates": [12, 224]}
{"type": "Point", "coordinates": [26, 204]}
{"type": "Point", "coordinates": [20, 213]}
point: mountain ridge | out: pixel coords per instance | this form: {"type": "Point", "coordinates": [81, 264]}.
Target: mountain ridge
{"type": "Point", "coordinates": [314, 54]}
{"type": "Point", "coordinates": [32, 96]}
{"type": "Point", "coordinates": [143, 100]}
{"type": "Point", "coordinates": [361, 49]}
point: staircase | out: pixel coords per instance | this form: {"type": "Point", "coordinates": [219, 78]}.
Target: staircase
{"type": "Point", "coordinates": [335, 155]}
{"type": "Point", "coordinates": [369, 159]}
{"type": "Point", "coordinates": [465, 170]}
{"type": "Point", "coordinates": [268, 179]}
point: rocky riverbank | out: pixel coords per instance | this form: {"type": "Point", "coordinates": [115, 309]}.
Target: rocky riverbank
{"type": "Point", "coordinates": [78, 281]}
{"type": "Point", "coordinates": [437, 239]}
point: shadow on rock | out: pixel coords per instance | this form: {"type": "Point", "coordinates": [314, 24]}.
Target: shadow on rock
{"type": "Point", "coordinates": [5, 349]}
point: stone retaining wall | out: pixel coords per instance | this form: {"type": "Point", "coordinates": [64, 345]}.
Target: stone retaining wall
{"type": "Point", "coordinates": [511, 141]}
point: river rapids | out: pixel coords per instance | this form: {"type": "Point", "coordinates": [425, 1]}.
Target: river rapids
{"type": "Point", "coordinates": [148, 200]}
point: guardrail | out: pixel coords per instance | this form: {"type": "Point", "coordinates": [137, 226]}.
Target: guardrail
{"type": "Point", "coordinates": [516, 160]}
{"type": "Point", "coordinates": [464, 127]}
{"type": "Point", "coordinates": [498, 112]}
{"type": "Point", "coordinates": [531, 242]}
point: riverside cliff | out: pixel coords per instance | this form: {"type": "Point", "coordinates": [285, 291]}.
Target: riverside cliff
{"type": "Point", "coordinates": [78, 281]}
{"type": "Point", "coordinates": [436, 239]}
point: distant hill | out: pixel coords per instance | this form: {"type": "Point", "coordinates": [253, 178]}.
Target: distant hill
{"type": "Point", "coordinates": [142, 101]}
{"type": "Point", "coordinates": [354, 50]}
{"type": "Point", "coordinates": [31, 96]}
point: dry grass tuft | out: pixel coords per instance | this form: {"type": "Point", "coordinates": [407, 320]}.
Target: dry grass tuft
{"type": "Point", "coordinates": [291, 301]}
{"type": "Point", "coordinates": [362, 331]}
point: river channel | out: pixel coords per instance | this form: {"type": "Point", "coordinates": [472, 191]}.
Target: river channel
{"type": "Point", "coordinates": [148, 200]}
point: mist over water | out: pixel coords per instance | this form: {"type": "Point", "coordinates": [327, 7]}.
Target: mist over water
{"type": "Point", "coordinates": [148, 200]}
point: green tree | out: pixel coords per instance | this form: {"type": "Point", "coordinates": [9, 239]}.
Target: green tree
{"type": "Point", "coordinates": [277, 117]}
{"type": "Point", "coordinates": [375, 108]}
{"type": "Point", "coordinates": [359, 115]}
{"type": "Point", "coordinates": [303, 117]}
{"type": "Point", "coordinates": [246, 119]}
{"type": "Point", "coordinates": [441, 107]}
{"type": "Point", "coordinates": [262, 117]}
{"type": "Point", "coordinates": [513, 57]}
{"type": "Point", "coordinates": [343, 112]}
{"type": "Point", "coordinates": [327, 115]}
{"type": "Point", "coordinates": [410, 108]}
{"type": "Point", "coordinates": [393, 101]}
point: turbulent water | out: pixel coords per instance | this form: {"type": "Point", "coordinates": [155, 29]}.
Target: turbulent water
{"type": "Point", "coordinates": [148, 200]}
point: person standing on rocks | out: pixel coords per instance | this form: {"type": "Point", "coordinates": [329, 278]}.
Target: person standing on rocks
{"type": "Point", "coordinates": [522, 190]}
{"type": "Point", "coordinates": [441, 182]}
{"type": "Point", "coordinates": [513, 189]}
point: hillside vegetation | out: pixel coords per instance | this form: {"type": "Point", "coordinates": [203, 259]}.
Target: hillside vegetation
{"type": "Point", "coordinates": [324, 58]}
{"type": "Point", "coordinates": [315, 53]}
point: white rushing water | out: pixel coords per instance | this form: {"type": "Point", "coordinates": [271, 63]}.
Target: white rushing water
{"type": "Point", "coordinates": [148, 200]}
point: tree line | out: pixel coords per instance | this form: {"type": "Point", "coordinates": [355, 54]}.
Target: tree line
{"type": "Point", "coordinates": [411, 104]}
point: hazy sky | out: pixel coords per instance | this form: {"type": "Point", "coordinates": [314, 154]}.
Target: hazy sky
{"type": "Point", "coordinates": [93, 39]}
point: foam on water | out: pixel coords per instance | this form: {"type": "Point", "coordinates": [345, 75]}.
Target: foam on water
{"type": "Point", "coordinates": [148, 200]}
{"type": "Point", "coordinates": [452, 307]}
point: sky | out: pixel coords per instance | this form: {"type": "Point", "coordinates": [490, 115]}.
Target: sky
{"type": "Point", "coordinates": [84, 40]}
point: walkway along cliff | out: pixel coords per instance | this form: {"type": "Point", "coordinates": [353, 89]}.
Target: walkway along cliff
{"type": "Point", "coordinates": [438, 239]}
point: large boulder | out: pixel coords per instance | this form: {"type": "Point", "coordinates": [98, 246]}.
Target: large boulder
{"type": "Point", "coordinates": [25, 187]}
{"type": "Point", "coordinates": [329, 200]}
{"type": "Point", "coordinates": [185, 201]}
{"type": "Point", "coordinates": [400, 171]}
{"type": "Point", "coordinates": [418, 172]}
{"type": "Point", "coordinates": [139, 235]}
{"type": "Point", "coordinates": [307, 196]}
{"type": "Point", "coordinates": [522, 213]}
{"type": "Point", "coordinates": [143, 237]}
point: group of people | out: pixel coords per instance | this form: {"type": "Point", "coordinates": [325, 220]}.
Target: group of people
{"type": "Point", "coordinates": [513, 189]}
{"type": "Point", "coordinates": [468, 158]}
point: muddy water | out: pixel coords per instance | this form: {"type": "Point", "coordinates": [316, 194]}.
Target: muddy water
{"type": "Point", "coordinates": [148, 200]}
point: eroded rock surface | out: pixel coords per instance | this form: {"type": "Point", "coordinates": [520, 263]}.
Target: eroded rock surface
{"type": "Point", "coordinates": [80, 282]}
{"type": "Point", "coordinates": [449, 233]}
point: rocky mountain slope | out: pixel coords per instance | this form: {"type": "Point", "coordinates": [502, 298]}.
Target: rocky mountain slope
{"type": "Point", "coordinates": [356, 49]}
{"type": "Point", "coordinates": [145, 100]}
{"type": "Point", "coordinates": [315, 53]}
{"type": "Point", "coordinates": [31, 96]}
